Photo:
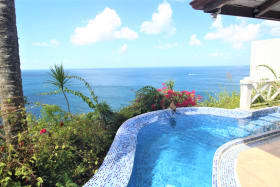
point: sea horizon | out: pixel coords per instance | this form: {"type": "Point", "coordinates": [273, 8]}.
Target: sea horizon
{"type": "Point", "coordinates": [117, 86]}
{"type": "Point", "coordinates": [248, 65]}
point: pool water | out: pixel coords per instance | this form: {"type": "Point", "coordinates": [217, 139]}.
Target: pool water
{"type": "Point", "coordinates": [179, 152]}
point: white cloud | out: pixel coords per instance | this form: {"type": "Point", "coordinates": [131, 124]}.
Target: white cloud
{"type": "Point", "coordinates": [194, 40]}
{"type": "Point", "coordinates": [105, 26]}
{"type": "Point", "coordinates": [216, 54]}
{"type": "Point", "coordinates": [54, 42]}
{"type": "Point", "coordinates": [51, 43]}
{"type": "Point", "coordinates": [161, 21]}
{"type": "Point", "coordinates": [126, 33]}
{"type": "Point", "coordinates": [167, 45]}
{"type": "Point", "coordinates": [235, 34]}
{"type": "Point", "coordinates": [123, 48]}
{"type": "Point", "coordinates": [274, 27]}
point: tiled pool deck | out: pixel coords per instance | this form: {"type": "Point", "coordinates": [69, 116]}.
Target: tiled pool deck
{"type": "Point", "coordinates": [259, 166]}
{"type": "Point", "coordinates": [225, 159]}
{"type": "Point", "coordinates": [118, 163]}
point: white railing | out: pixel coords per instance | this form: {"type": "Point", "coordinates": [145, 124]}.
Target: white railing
{"type": "Point", "coordinates": [251, 90]}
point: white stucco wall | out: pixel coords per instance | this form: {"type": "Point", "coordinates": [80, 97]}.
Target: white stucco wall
{"type": "Point", "coordinates": [265, 52]}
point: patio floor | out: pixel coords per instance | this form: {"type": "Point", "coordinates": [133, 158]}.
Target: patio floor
{"type": "Point", "coordinates": [260, 166]}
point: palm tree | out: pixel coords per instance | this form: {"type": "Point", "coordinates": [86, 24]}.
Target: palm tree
{"type": "Point", "coordinates": [11, 94]}
{"type": "Point", "coordinates": [60, 79]}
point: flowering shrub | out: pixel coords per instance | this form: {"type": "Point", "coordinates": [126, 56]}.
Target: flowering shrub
{"type": "Point", "coordinates": [55, 150]}
{"type": "Point", "coordinates": [149, 98]}
{"type": "Point", "coordinates": [179, 98]}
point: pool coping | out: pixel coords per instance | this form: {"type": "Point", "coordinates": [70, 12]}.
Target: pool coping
{"type": "Point", "coordinates": [117, 166]}
{"type": "Point", "coordinates": [225, 175]}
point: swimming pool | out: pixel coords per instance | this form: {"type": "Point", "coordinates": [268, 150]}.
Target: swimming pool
{"type": "Point", "coordinates": [178, 152]}
{"type": "Point", "coordinates": [161, 149]}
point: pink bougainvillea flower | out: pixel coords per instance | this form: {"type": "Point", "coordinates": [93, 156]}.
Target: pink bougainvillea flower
{"type": "Point", "coordinates": [163, 84]}
{"type": "Point", "coordinates": [164, 88]}
{"type": "Point", "coordinates": [178, 104]}
{"type": "Point", "coordinates": [159, 90]}
{"type": "Point", "coordinates": [43, 131]}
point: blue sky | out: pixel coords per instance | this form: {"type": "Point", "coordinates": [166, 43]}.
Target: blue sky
{"type": "Point", "coordinates": [130, 33]}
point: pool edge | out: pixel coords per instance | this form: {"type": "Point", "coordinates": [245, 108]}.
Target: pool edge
{"type": "Point", "coordinates": [233, 180]}
{"type": "Point", "coordinates": [117, 166]}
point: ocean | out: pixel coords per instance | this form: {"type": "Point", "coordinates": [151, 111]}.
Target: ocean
{"type": "Point", "coordinates": [118, 86]}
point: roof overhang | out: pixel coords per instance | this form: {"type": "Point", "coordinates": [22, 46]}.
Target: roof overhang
{"type": "Point", "coordinates": [263, 9]}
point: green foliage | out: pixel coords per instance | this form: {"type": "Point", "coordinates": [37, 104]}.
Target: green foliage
{"type": "Point", "coordinates": [130, 111]}
{"type": "Point", "coordinates": [222, 100]}
{"type": "Point", "coordinates": [67, 153]}
{"type": "Point", "coordinates": [60, 79]}
{"type": "Point", "coordinates": [149, 98]}
{"type": "Point", "coordinates": [274, 89]}
{"type": "Point", "coordinates": [270, 69]}
{"type": "Point", "coordinates": [170, 85]}
{"type": "Point", "coordinates": [146, 97]}
{"type": "Point", "coordinates": [87, 85]}
{"type": "Point", "coordinates": [79, 94]}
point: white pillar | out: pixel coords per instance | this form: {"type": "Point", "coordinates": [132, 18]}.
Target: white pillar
{"type": "Point", "coordinates": [246, 89]}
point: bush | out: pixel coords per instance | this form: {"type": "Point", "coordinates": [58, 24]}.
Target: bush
{"type": "Point", "coordinates": [149, 98]}
{"type": "Point", "coordinates": [222, 100]}
{"type": "Point", "coordinates": [56, 151]}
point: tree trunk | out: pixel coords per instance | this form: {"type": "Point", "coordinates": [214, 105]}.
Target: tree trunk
{"type": "Point", "coordinates": [11, 94]}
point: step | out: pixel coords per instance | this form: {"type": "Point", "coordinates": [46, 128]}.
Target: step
{"type": "Point", "coordinates": [277, 115]}
{"type": "Point", "coordinates": [253, 128]}
{"type": "Point", "coordinates": [262, 123]}
{"type": "Point", "coordinates": [270, 119]}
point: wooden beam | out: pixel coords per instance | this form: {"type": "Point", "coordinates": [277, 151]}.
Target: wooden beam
{"type": "Point", "coordinates": [234, 10]}
{"type": "Point", "coordinates": [265, 7]}
{"type": "Point", "coordinates": [215, 4]}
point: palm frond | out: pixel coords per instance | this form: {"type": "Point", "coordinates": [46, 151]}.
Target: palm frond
{"type": "Point", "coordinates": [59, 77]}
{"type": "Point", "coordinates": [82, 96]}
{"type": "Point", "coordinates": [147, 96]}
{"type": "Point", "coordinates": [52, 93]}
{"type": "Point", "coordinates": [87, 85]}
{"type": "Point", "coordinates": [269, 68]}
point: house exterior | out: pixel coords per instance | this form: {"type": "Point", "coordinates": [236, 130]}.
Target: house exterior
{"type": "Point", "coordinates": [265, 52]}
